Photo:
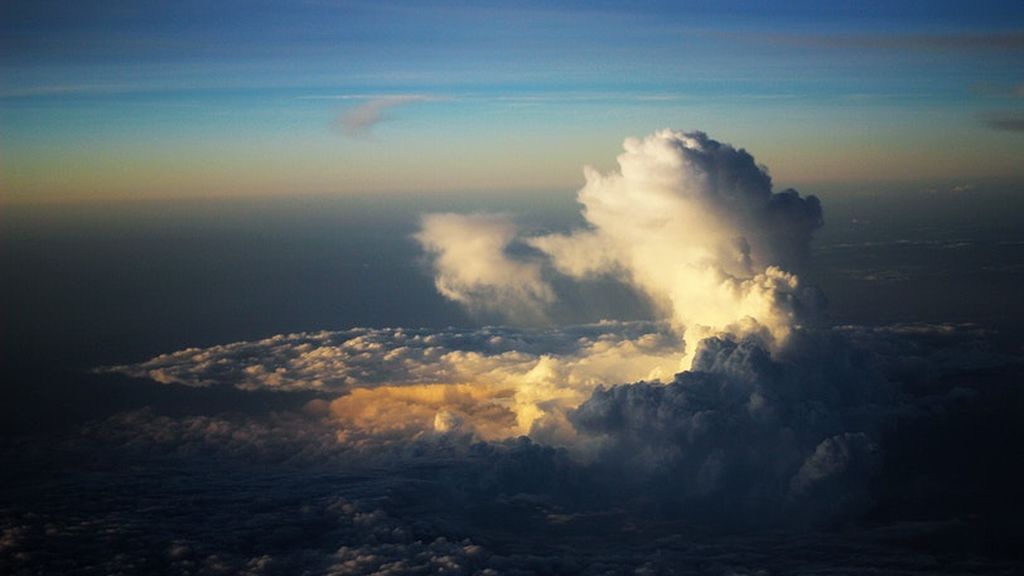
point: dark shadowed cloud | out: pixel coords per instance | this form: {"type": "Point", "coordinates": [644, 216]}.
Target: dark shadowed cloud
{"type": "Point", "coordinates": [744, 437]}
{"type": "Point", "coordinates": [742, 440]}
{"type": "Point", "coordinates": [998, 89]}
{"type": "Point", "coordinates": [1007, 120]}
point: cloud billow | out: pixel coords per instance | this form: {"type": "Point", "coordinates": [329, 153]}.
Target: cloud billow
{"type": "Point", "coordinates": [690, 222]}
{"type": "Point", "coordinates": [743, 436]}
{"type": "Point", "coordinates": [731, 408]}
{"type": "Point", "coordinates": [732, 398]}
{"type": "Point", "coordinates": [470, 255]}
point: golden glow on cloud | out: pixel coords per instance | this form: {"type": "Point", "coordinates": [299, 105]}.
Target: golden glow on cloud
{"type": "Point", "coordinates": [688, 221]}
{"type": "Point", "coordinates": [408, 411]}
{"type": "Point", "coordinates": [398, 383]}
{"type": "Point", "coordinates": [505, 395]}
{"type": "Point", "coordinates": [691, 223]}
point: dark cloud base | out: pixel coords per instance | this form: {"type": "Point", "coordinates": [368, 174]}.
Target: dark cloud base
{"type": "Point", "coordinates": [229, 487]}
{"type": "Point", "coordinates": [145, 508]}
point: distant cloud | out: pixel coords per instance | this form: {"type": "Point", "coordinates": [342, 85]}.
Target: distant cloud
{"type": "Point", "coordinates": [952, 189]}
{"type": "Point", "coordinates": [72, 90]}
{"type": "Point", "coordinates": [359, 120]}
{"type": "Point", "coordinates": [1013, 41]}
{"type": "Point", "coordinates": [1007, 120]}
{"type": "Point", "coordinates": [998, 90]}
{"type": "Point", "coordinates": [396, 383]}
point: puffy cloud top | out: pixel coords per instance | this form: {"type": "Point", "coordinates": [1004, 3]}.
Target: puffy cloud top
{"type": "Point", "coordinates": [689, 221]}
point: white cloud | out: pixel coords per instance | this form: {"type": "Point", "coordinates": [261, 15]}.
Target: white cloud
{"type": "Point", "coordinates": [473, 267]}
{"type": "Point", "coordinates": [695, 225]}
{"type": "Point", "coordinates": [398, 383]}
{"type": "Point", "coordinates": [690, 222]}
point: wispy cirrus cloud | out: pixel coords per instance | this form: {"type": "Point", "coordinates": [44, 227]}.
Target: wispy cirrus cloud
{"type": "Point", "coordinates": [358, 121]}
{"type": "Point", "coordinates": [1004, 120]}
{"type": "Point", "coordinates": [998, 90]}
{"type": "Point", "coordinates": [980, 42]}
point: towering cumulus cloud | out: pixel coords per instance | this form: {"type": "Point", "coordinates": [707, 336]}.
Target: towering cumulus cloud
{"type": "Point", "coordinates": [725, 404]}
{"type": "Point", "coordinates": [690, 222]}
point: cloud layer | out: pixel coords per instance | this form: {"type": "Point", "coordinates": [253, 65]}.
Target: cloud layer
{"type": "Point", "coordinates": [745, 432]}
{"type": "Point", "coordinates": [491, 383]}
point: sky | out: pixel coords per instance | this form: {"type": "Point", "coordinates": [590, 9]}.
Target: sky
{"type": "Point", "coordinates": [192, 99]}
{"type": "Point", "coordinates": [341, 288]}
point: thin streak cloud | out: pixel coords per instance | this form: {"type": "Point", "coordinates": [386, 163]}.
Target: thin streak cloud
{"type": "Point", "coordinates": [1007, 121]}
{"type": "Point", "coordinates": [358, 121]}
{"type": "Point", "coordinates": [986, 42]}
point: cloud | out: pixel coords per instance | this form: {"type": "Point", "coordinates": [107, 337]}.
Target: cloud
{"type": "Point", "coordinates": [694, 224]}
{"type": "Point", "coordinates": [270, 518]}
{"type": "Point", "coordinates": [915, 353]}
{"type": "Point", "coordinates": [1007, 120]}
{"type": "Point", "coordinates": [730, 408]}
{"type": "Point", "coordinates": [394, 384]}
{"type": "Point", "coordinates": [747, 437]}
{"type": "Point", "coordinates": [833, 458]}
{"type": "Point", "coordinates": [744, 429]}
{"type": "Point", "coordinates": [998, 90]}
{"type": "Point", "coordinates": [690, 222]}
{"type": "Point", "coordinates": [404, 412]}
{"type": "Point", "coordinates": [358, 121]}
{"type": "Point", "coordinates": [963, 42]}
{"type": "Point", "coordinates": [296, 438]}
{"type": "Point", "coordinates": [744, 436]}
{"type": "Point", "coordinates": [473, 266]}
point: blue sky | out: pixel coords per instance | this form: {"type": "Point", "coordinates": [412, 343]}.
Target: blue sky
{"type": "Point", "coordinates": [121, 99]}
